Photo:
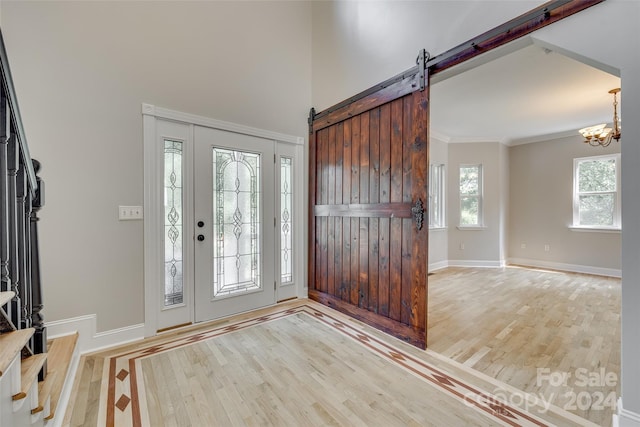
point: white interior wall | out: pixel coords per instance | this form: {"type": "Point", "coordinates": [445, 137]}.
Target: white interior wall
{"type": "Point", "coordinates": [357, 44]}
{"type": "Point", "coordinates": [82, 71]}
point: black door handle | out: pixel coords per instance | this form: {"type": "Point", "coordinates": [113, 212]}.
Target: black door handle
{"type": "Point", "coordinates": [200, 224]}
{"type": "Point", "coordinates": [200, 237]}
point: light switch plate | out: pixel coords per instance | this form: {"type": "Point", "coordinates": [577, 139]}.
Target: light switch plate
{"type": "Point", "coordinates": [127, 213]}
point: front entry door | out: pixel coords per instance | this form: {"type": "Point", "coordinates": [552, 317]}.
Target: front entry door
{"type": "Point", "coordinates": [234, 223]}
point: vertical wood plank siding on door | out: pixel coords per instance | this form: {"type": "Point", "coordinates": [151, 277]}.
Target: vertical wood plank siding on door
{"type": "Point", "coordinates": [369, 257]}
{"type": "Point", "coordinates": [374, 197]}
{"type": "Point", "coordinates": [385, 197]}
{"type": "Point", "coordinates": [346, 197]}
{"type": "Point", "coordinates": [331, 165]}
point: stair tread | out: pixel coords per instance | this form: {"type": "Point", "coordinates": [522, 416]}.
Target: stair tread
{"type": "Point", "coordinates": [59, 355]}
{"type": "Point", "coordinates": [30, 368]}
{"type": "Point", "coordinates": [10, 345]}
{"type": "Point", "coordinates": [5, 297]}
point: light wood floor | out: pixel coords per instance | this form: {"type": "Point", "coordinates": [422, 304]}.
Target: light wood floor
{"type": "Point", "coordinates": [509, 323]}
{"type": "Point", "coordinates": [296, 364]}
{"type": "Point", "coordinates": [490, 329]}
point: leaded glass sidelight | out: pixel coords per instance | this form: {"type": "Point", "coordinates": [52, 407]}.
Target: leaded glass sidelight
{"type": "Point", "coordinates": [286, 195]}
{"type": "Point", "coordinates": [236, 222]}
{"type": "Point", "coordinates": [173, 235]}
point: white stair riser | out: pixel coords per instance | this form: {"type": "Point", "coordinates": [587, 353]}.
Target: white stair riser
{"type": "Point", "coordinates": [21, 413]}
{"type": "Point", "coordinates": [17, 413]}
{"type": "Point", "coordinates": [37, 420]}
{"type": "Point", "coordinates": [15, 374]}
{"type": "Point", "coordinates": [6, 392]}
{"type": "Point", "coordinates": [47, 408]}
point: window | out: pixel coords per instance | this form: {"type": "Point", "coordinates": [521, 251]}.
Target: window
{"type": "Point", "coordinates": [436, 196]}
{"type": "Point", "coordinates": [471, 196]}
{"type": "Point", "coordinates": [596, 192]}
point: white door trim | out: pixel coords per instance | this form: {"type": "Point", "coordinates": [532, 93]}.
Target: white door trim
{"type": "Point", "coordinates": [153, 199]}
{"type": "Point", "coordinates": [177, 116]}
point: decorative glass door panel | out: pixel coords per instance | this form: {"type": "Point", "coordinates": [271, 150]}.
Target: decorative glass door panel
{"type": "Point", "coordinates": [234, 234]}
{"type": "Point", "coordinates": [173, 231]}
{"type": "Point", "coordinates": [236, 222]}
{"type": "Point", "coordinates": [287, 218]}
{"type": "Point", "coordinates": [286, 201]}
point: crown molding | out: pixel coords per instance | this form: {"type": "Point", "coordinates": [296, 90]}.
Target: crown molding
{"type": "Point", "coordinates": [439, 136]}
{"type": "Point", "coordinates": [510, 142]}
{"type": "Point", "coordinates": [541, 138]}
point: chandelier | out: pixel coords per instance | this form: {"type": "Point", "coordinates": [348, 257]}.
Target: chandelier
{"type": "Point", "coordinates": [600, 135]}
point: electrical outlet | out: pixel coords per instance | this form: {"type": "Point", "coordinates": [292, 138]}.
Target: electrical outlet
{"type": "Point", "coordinates": [462, 246]}
{"type": "Point", "coordinates": [127, 213]}
{"type": "Point", "coordinates": [547, 248]}
{"type": "Point", "coordinates": [523, 246]}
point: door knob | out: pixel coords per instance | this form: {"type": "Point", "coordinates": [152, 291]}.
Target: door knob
{"type": "Point", "coordinates": [200, 237]}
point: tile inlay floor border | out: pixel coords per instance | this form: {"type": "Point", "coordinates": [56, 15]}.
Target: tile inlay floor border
{"type": "Point", "coordinates": [125, 401]}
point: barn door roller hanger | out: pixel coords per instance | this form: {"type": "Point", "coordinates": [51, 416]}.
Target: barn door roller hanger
{"type": "Point", "coordinates": [421, 61]}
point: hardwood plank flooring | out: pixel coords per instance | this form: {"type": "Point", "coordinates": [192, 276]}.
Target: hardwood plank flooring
{"type": "Point", "coordinates": [298, 363]}
{"type": "Point", "coordinates": [526, 327]}
{"type": "Point", "coordinates": [59, 354]}
{"type": "Point", "coordinates": [10, 344]}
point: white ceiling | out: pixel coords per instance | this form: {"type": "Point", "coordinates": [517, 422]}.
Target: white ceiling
{"type": "Point", "coordinates": [521, 97]}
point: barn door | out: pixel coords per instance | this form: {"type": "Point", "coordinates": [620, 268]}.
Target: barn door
{"type": "Point", "coordinates": [368, 194]}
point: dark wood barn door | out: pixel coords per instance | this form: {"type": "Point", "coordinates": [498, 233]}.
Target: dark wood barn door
{"type": "Point", "coordinates": [368, 198]}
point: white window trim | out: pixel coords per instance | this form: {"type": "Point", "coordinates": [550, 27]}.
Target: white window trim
{"type": "Point", "coordinates": [617, 222]}
{"type": "Point", "coordinates": [595, 229]}
{"type": "Point", "coordinates": [471, 227]}
{"type": "Point", "coordinates": [479, 196]}
{"type": "Point", "coordinates": [441, 208]}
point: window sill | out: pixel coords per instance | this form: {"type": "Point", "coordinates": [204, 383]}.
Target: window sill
{"type": "Point", "coordinates": [471, 228]}
{"type": "Point", "coordinates": [438, 228]}
{"type": "Point", "coordinates": [595, 229]}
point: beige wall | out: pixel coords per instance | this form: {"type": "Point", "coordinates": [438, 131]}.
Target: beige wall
{"type": "Point", "coordinates": [483, 245]}
{"type": "Point", "coordinates": [540, 202]}
{"type": "Point", "coordinates": [439, 239]}
{"type": "Point", "coordinates": [82, 71]}
{"type": "Point", "coordinates": [527, 200]}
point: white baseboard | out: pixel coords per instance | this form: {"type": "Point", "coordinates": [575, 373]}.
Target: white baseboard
{"type": "Point", "coordinates": [437, 265]}
{"type": "Point", "coordinates": [89, 340]}
{"type": "Point", "coordinates": [625, 418]}
{"type": "Point", "coordinates": [599, 271]}
{"type": "Point", "coordinates": [476, 263]}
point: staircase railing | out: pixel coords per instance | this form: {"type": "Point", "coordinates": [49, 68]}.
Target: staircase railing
{"type": "Point", "coordinates": [21, 197]}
